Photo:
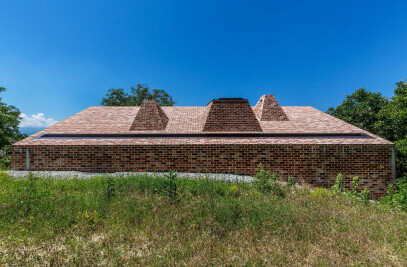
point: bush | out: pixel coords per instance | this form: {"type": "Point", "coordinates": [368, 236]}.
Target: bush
{"type": "Point", "coordinates": [266, 182]}
{"type": "Point", "coordinates": [290, 181]}
{"type": "Point", "coordinates": [5, 162]}
{"type": "Point", "coordinates": [401, 158]}
{"type": "Point", "coordinates": [338, 186]}
{"type": "Point", "coordinates": [397, 196]}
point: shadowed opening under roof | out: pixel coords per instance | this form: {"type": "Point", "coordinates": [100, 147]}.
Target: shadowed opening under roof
{"type": "Point", "coordinates": [202, 135]}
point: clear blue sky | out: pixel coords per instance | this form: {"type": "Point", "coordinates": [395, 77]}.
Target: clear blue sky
{"type": "Point", "coordinates": [59, 57]}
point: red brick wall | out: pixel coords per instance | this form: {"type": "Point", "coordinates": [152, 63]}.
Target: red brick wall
{"type": "Point", "coordinates": [313, 164]}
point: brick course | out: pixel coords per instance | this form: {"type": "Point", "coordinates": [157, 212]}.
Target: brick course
{"type": "Point", "coordinates": [312, 164]}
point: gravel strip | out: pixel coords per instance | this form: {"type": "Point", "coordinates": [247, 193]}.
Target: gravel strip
{"type": "Point", "coordinates": [85, 175]}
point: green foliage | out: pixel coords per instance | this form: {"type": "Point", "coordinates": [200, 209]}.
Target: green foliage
{"type": "Point", "coordinates": [360, 108]}
{"type": "Point", "coordinates": [70, 222]}
{"type": "Point", "coordinates": [401, 158]}
{"type": "Point", "coordinates": [9, 131]}
{"type": "Point", "coordinates": [355, 192]}
{"type": "Point", "coordinates": [320, 194]}
{"type": "Point", "coordinates": [290, 181]}
{"type": "Point", "coordinates": [397, 196]}
{"type": "Point", "coordinates": [338, 186]}
{"type": "Point", "coordinates": [364, 196]}
{"type": "Point", "coordinates": [118, 97]}
{"type": "Point", "coordinates": [172, 185]}
{"type": "Point", "coordinates": [266, 182]}
{"type": "Point", "coordinates": [386, 118]}
{"type": "Point", "coordinates": [5, 160]}
{"type": "Point", "coordinates": [391, 124]}
{"type": "Point", "coordinates": [392, 118]}
{"type": "Point", "coordinates": [110, 187]}
{"type": "Point", "coordinates": [355, 186]}
{"type": "Point", "coordinates": [360, 195]}
{"type": "Point", "coordinates": [87, 221]}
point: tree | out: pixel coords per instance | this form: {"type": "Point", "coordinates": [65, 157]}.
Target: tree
{"type": "Point", "coordinates": [118, 97]}
{"type": "Point", "coordinates": [392, 124]}
{"type": "Point", "coordinates": [392, 119]}
{"type": "Point", "coordinates": [360, 108]}
{"type": "Point", "coordinates": [9, 131]}
{"type": "Point", "coordinates": [9, 121]}
{"type": "Point", "coordinates": [377, 114]}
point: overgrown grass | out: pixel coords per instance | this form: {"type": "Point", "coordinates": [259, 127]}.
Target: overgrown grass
{"type": "Point", "coordinates": [142, 220]}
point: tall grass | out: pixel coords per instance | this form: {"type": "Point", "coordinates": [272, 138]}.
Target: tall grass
{"type": "Point", "coordinates": [141, 220]}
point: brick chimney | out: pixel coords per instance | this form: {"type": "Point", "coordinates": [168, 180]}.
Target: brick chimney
{"type": "Point", "coordinates": [150, 117]}
{"type": "Point", "coordinates": [268, 109]}
{"type": "Point", "coordinates": [230, 115]}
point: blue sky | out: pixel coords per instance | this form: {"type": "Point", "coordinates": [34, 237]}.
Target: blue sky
{"type": "Point", "coordinates": [59, 57]}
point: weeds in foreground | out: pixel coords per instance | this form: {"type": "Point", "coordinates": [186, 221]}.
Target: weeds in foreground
{"type": "Point", "coordinates": [266, 182]}
{"type": "Point", "coordinates": [172, 185]}
{"type": "Point", "coordinates": [134, 221]}
{"type": "Point", "coordinates": [397, 195]}
{"type": "Point", "coordinates": [338, 186]}
{"type": "Point", "coordinates": [361, 195]}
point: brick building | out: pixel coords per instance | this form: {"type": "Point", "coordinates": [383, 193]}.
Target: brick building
{"type": "Point", "coordinates": [225, 136]}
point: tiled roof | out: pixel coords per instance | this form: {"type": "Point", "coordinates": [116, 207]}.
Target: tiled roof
{"type": "Point", "coordinates": [189, 120]}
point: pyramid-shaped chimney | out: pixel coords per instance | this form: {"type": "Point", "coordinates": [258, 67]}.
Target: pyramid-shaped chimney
{"type": "Point", "coordinates": [230, 115]}
{"type": "Point", "coordinates": [150, 117]}
{"type": "Point", "coordinates": [268, 109]}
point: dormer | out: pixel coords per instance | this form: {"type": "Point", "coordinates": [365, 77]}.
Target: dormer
{"type": "Point", "coordinates": [268, 109]}
{"type": "Point", "coordinates": [150, 117]}
{"type": "Point", "coordinates": [230, 115]}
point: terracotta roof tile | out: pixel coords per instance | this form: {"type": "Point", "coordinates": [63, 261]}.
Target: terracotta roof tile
{"type": "Point", "coordinates": [189, 120]}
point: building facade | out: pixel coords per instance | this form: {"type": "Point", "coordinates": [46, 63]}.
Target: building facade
{"type": "Point", "coordinates": [225, 136]}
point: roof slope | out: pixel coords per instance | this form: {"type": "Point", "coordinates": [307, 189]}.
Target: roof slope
{"type": "Point", "coordinates": [189, 120]}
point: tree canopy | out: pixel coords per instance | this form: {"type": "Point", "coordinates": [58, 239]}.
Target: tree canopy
{"type": "Point", "coordinates": [385, 117]}
{"type": "Point", "coordinates": [392, 118]}
{"type": "Point", "coordinates": [118, 97]}
{"type": "Point", "coordinates": [360, 108]}
{"type": "Point", "coordinates": [9, 121]}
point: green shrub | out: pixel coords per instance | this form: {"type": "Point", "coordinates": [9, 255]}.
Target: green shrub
{"type": "Point", "coordinates": [5, 162]}
{"type": "Point", "coordinates": [338, 186]}
{"type": "Point", "coordinates": [355, 186]}
{"type": "Point", "coordinates": [397, 196]}
{"type": "Point", "coordinates": [290, 181]}
{"type": "Point", "coordinates": [401, 158]}
{"type": "Point", "coordinates": [364, 196]}
{"type": "Point", "coordinates": [266, 182]}
{"type": "Point", "coordinates": [355, 192]}
{"type": "Point", "coordinates": [320, 194]}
